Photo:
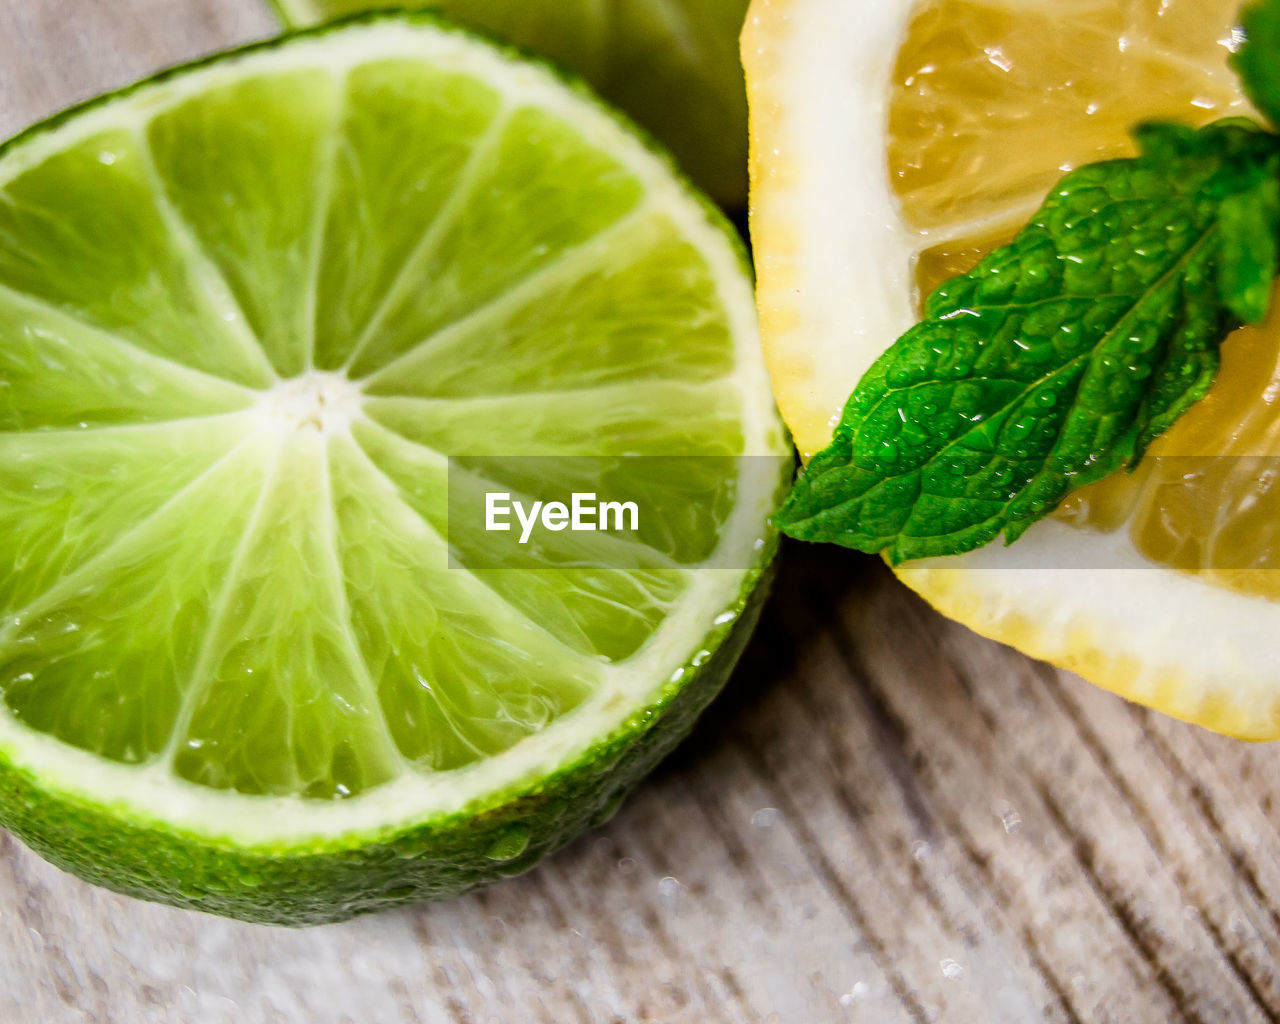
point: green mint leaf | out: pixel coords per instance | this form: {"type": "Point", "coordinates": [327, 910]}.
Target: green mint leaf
{"type": "Point", "coordinates": [1059, 358]}
{"type": "Point", "coordinates": [1258, 60]}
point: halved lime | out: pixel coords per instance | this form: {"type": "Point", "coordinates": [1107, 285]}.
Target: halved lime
{"type": "Point", "coordinates": [671, 64]}
{"type": "Point", "coordinates": [247, 310]}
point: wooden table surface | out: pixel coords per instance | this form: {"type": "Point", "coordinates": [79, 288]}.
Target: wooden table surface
{"type": "Point", "coordinates": [883, 819]}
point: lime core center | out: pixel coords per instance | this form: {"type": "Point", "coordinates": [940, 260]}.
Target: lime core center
{"type": "Point", "coordinates": [315, 400]}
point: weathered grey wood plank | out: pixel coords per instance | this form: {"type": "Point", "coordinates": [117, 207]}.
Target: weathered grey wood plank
{"type": "Point", "coordinates": [885, 819]}
{"type": "Point", "coordinates": [59, 52]}
{"type": "Point", "coordinates": [1122, 900]}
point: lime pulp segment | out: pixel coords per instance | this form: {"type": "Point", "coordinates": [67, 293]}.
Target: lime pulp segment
{"type": "Point", "coordinates": [671, 64]}
{"type": "Point", "coordinates": [247, 311]}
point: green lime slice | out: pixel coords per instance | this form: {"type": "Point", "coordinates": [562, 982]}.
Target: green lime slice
{"type": "Point", "coordinates": [671, 64]}
{"type": "Point", "coordinates": [249, 310]}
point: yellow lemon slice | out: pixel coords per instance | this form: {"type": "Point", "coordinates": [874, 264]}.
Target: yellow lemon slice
{"type": "Point", "coordinates": [892, 145]}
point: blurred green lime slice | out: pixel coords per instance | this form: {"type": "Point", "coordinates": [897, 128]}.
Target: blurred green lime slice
{"type": "Point", "coordinates": [248, 310]}
{"type": "Point", "coordinates": [671, 64]}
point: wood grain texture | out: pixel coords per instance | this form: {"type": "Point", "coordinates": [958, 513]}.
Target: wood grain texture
{"type": "Point", "coordinates": [884, 819]}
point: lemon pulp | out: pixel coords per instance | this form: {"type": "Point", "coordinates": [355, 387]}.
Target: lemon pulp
{"type": "Point", "coordinates": [984, 118]}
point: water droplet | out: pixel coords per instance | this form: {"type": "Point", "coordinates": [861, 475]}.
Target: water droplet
{"type": "Point", "coordinates": [608, 810]}
{"type": "Point", "coordinates": [627, 866]}
{"type": "Point", "coordinates": [951, 970]}
{"type": "Point", "coordinates": [1046, 399]}
{"type": "Point", "coordinates": [412, 845]}
{"type": "Point", "coordinates": [512, 868]}
{"type": "Point", "coordinates": [766, 817]}
{"type": "Point", "coordinates": [669, 887]}
{"type": "Point", "coordinates": [899, 377]}
{"type": "Point", "coordinates": [1018, 431]}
